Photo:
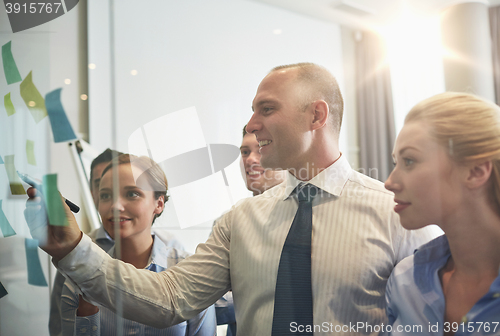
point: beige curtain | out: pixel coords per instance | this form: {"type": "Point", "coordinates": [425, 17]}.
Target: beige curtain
{"type": "Point", "coordinates": [495, 46]}
{"type": "Point", "coordinates": [375, 107]}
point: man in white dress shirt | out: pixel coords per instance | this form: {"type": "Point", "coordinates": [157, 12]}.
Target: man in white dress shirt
{"type": "Point", "coordinates": [356, 239]}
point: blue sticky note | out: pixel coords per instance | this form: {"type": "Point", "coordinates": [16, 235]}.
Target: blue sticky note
{"type": "Point", "coordinates": [3, 291]}
{"type": "Point", "coordinates": [61, 128]}
{"type": "Point", "coordinates": [5, 227]}
{"type": "Point", "coordinates": [1, 161]}
{"type": "Point", "coordinates": [35, 272]}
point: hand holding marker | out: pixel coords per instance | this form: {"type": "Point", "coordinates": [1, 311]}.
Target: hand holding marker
{"type": "Point", "coordinates": [38, 185]}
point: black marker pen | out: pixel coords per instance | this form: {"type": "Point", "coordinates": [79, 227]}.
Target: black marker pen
{"type": "Point", "coordinates": [38, 185]}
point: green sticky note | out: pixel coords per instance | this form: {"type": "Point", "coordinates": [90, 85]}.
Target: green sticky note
{"type": "Point", "coordinates": [3, 291]}
{"type": "Point", "coordinates": [9, 107]}
{"type": "Point", "coordinates": [30, 152]}
{"type": "Point", "coordinates": [33, 99]}
{"type": "Point", "coordinates": [9, 65]}
{"type": "Point", "coordinates": [53, 202]}
{"type": "Point", "coordinates": [5, 227]}
{"type": "Point", "coordinates": [16, 186]}
{"type": "Point", "coordinates": [35, 272]}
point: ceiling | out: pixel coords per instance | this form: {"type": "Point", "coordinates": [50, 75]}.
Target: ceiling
{"type": "Point", "coordinates": [367, 14]}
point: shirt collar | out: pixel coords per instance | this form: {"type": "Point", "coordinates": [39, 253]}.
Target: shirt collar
{"type": "Point", "coordinates": [158, 255]}
{"type": "Point", "coordinates": [428, 260]}
{"type": "Point", "coordinates": [331, 180]}
{"type": "Point", "coordinates": [102, 234]}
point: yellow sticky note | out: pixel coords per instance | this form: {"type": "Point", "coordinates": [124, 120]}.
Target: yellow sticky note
{"type": "Point", "coordinates": [16, 187]}
{"type": "Point", "coordinates": [33, 99]}
{"type": "Point", "coordinates": [30, 152]}
{"type": "Point", "coordinates": [9, 107]}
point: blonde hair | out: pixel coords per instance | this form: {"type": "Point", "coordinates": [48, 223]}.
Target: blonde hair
{"type": "Point", "coordinates": [152, 172]}
{"type": "Point", "coordinates": [467, 126]}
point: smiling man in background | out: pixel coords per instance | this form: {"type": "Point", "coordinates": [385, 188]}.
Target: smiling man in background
{"type": "Point", "coordinates": [256, 177]}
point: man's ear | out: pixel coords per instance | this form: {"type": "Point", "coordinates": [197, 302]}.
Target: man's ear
{"type": "Point", "coordinates": [479, 174]}
{"type": "Point", "coordinates": [159, 205]}
{"type": "Point", "coordinates": [320, 111]}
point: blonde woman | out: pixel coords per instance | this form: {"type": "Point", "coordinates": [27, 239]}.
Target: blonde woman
{"type": "Point", "coordinates": [447, 172]}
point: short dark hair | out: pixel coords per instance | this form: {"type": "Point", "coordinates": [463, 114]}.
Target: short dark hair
{"type": "Point", "coordinates": [245, 130]}
{"type": "Point", "coordinates": [104, 157]}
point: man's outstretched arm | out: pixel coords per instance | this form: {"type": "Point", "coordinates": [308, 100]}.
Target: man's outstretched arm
{"type": "Point", "coordinates": [157, 299]}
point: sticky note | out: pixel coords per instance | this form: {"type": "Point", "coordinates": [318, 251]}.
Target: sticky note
{"type": "Point", "coordinates": [35, 272]}
{"type": "Point", "coordinates": [33, 99]}
{"type": "Point", "coordinates": [9, 65]}
{"type": "Point", "coordinates": [1, 161]}
{"type": "Point", "coordinates": [30, 152]}
{"type": "Point", "coordinates": [9, 107]}
{"type": "Point", "coordinates": [5, 227]}
{"type": "Point", "coordinates": [61, 128]}
{"type": "Point", "coordinates": [3, 291]}
{"type": "Point", "coordinates": [16, 186]}
{"type": "Point", "coordinates": [53, 202]}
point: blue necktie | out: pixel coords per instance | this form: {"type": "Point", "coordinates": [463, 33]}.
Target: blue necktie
{"type": "Point", "coordinates": [293, 297]}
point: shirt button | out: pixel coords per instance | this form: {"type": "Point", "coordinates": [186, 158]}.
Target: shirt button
{"type": "Point", "coordinates": [83, 330]}
{"type": "Point", "coordinates": [496, 295]}
{"type": "Point", "coordinates": [94, 328]}
{"type": "Point", "coordinates": [72, 268]}
{"type": "Point", "coordinates": [464, 319]}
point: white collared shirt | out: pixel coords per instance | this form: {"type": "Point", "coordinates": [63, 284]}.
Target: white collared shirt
{"type": "Point", "coordinates": [357, 240]}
